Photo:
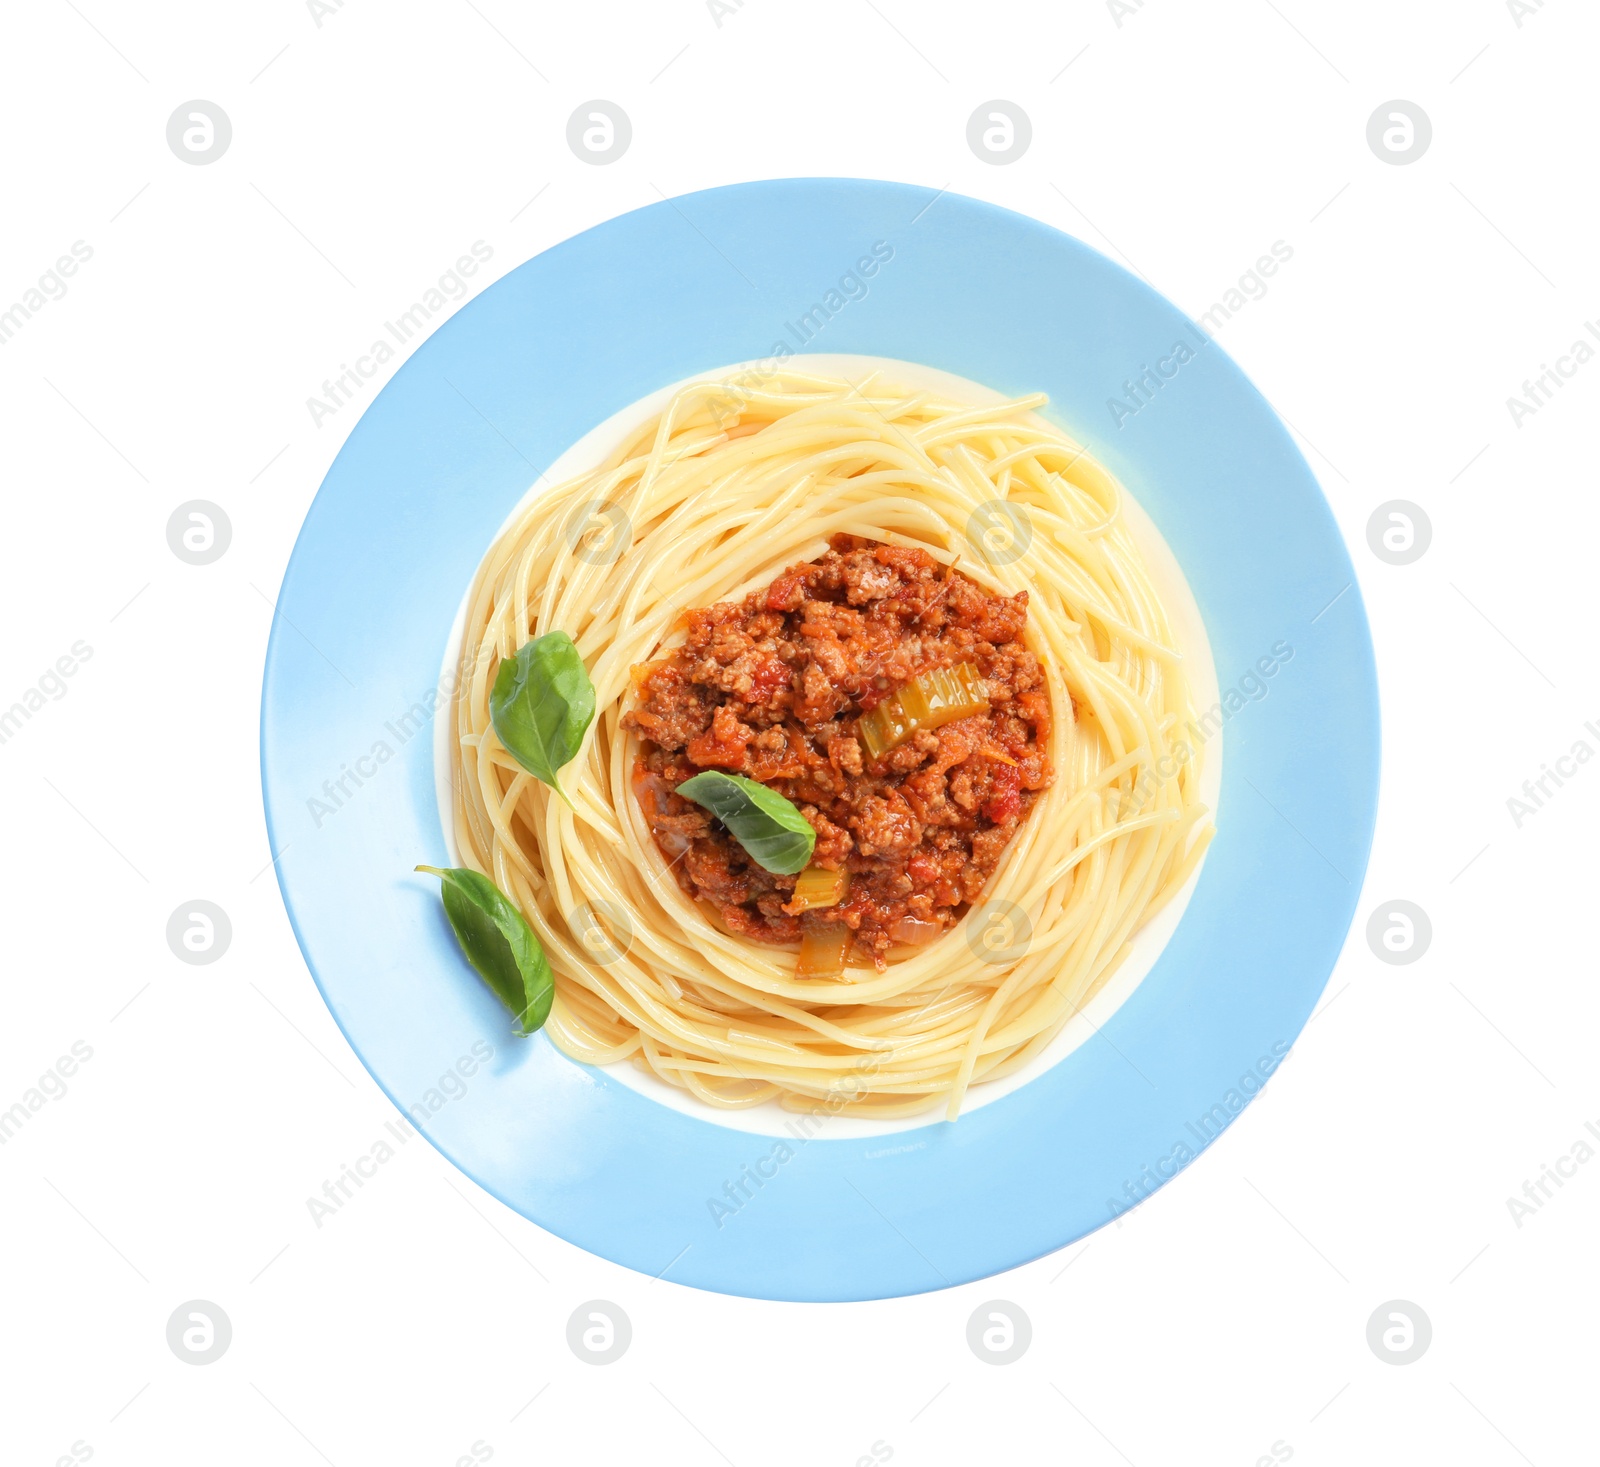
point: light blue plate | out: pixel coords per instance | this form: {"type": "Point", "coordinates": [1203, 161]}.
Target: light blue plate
{"type": "Point", "coordinates": [415, 498]}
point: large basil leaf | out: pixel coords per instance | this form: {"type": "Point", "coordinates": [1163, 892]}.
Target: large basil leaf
{"type": "Point", "coordinates": [542, 704]}
{"type": "Point", "coordinates": [775, 834]}
{"type": "Point", "coordinates": [499, 943]}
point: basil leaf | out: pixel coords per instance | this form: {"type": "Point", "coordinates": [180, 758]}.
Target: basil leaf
{"type": "Point", "coordinates": [542, 704]}
{"type": "Point", "coordinates": [774, 833]}
{"type": "Point", "coordinates": [499, 943]}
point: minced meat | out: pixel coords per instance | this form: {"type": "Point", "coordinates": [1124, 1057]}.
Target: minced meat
{"type": "Point", "coordinates": [772, 688]}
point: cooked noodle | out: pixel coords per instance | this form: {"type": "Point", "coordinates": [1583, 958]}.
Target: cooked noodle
{"type": "Point", "coordinates": [696, 515]}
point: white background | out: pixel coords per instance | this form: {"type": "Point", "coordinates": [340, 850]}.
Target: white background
{"type": "Point", "coordinates": [1227, 1315]}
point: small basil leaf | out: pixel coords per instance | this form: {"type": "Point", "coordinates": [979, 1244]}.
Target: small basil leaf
{"type": "Point", "coordinates": [499, 943]}
{"type": "Point", "coordinates": [775, 834]}
{"type": "Point", "coordinates": [542, 704]}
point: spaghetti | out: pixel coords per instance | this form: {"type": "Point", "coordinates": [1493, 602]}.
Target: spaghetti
{"type": "Point", "coordinates": [712, 499]}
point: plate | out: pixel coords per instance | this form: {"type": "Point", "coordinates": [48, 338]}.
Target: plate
{"type": "Point", "coordinates": [810, 1209]}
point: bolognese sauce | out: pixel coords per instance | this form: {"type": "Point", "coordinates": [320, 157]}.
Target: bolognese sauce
{"type": "Point", "coordinates": [802, 687]}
